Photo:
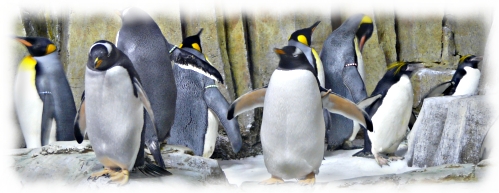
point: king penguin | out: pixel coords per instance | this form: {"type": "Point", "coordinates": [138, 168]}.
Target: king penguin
{"type": "Point", "coordinates": [390, 108]}
{"type": "Point", "coordinates": [464, 81]}
{"type": "Point", "coordinates": [143, 42]}
{"type": "Point", "coordinates": [292, 131]}
{"type": "Point", "coordinates": [200, 105]}
{"type": "Point", "coordinates": [42, 97]}
{"type": "Point", "coordinates": [344, 74]}
{"type": "Point", "coordinates": [114, 112]}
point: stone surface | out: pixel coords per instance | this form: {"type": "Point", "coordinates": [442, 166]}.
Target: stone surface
{"type": "Point", "coordinates": [385, 25]}
{"type": "Point", "coordinates": [425, 79]}
{"type": "Point", "coordinates": [419, 37]}
{"type": "Point", "coordinates": [449, 130]}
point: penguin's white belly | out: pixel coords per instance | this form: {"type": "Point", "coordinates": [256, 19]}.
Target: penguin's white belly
{"type": "Point", "coordinates": [29, 109]}
{"type": "Point", "coordinates": [469, 83]}
{"type": "Point", "coordinates": [210, 138]}
{"type": "Point", "coordinates": [392, 117]}
{"type": "Point", "coordinates": [293, 130]}
{"type": "Point", "coordinates": [114, 117]}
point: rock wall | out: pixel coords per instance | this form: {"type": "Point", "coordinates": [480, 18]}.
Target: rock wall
{"type": "Point", "coordinates": [239, 40]}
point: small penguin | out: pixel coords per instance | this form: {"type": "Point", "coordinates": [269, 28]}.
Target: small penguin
{"type": "Point", "coordinates": [464, 82]}
{"type": "Point", "coordinates": [292, 131]}
{"type": "Point", "coordinates": [344, 74]}
{"type": "Point", "coordinates": [42, 97]}
{"type": "Point", "coordinates": [143, 42]}
{"type": "Point", "coordinates": [114, 109]}
{"type": "Point", "coordinates": [302, 39]}
{"type": "Point", "coordinates": [390, 108]}
{"type": "Point", "coordinates": [200, 105]}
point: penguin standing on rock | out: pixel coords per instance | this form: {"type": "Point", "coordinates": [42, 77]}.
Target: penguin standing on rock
{"type": "Point", "coordinates": [142, 41]}
{"type": "Point", "coordinates": [390, 108]}
{"type": "Point", "coordinates": [292, 131]}
{"type": "Point", "coordinates": [114, 109]}
{"type": "Point", "coordinates": [200, 105]}
{"type": "Point", "coordinates": [344, 72]}
{"type": "Point", "coordinates": [465, 80]}
{"type": "Point", "coordinates": [42, 97]}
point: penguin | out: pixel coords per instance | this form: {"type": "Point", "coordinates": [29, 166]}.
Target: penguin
{"type": "Point", "coordinates": [114, 112]}
{"type": "Point", "coordinates": [344, 74]}
{"type": "Point", "coordinates": [143, 42]}
{"type": "Point", "coordinates": [302, 39]}
{"type": "Point", "coordinates": [390, 109]}
{"type": "Point", "coordinates": [200, 105]}
{"type": "Point", "coordinates": [292, 131]}
{"type": "Point", "coordinates": [43, 100]}
{"type": "Point", "coordinates": [464, 81]}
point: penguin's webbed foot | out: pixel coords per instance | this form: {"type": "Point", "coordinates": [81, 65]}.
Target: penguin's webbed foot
{"type": "Point", "coordinates": [272, 180]}
{"type": "Point", "coordinates": [395, 158]}
{"type": "Point", "coordinates": [381, 160]}
{"type": "Point", "coordinates": [309, 180]}
{"type": "Point", "coordinates": [97, 175]}
{"type": "Point", "coordinates": [364, 154]}
{"type": "Point", "coordinates": [120, 178]}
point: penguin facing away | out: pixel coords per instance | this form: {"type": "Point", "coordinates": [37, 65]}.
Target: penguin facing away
{"type": "Point", "coordinates": [390, 108]}
{"type": "Point", "coordinates": [114, 109]}
{"type": "Point", "coordinates": [344, 71]}
{"type": "Point", "coordinates": [292, 131]}
{"type": "Point", "coordinates": [143, 42]}
{"type": "Point", "coordinates": [302, 39]}
{"type": "Point", "coordinates": [43, 100]}
{"type": "Point", "coordinates": [200, 105]}
{"type": "Point", "coordinates": [464, 81]}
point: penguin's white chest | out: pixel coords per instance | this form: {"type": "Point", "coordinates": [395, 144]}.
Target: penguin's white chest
{"type": "Point", "coordinates": [469, 83]}
{"type": "Point", "coordinates": [391, 120]}
{"type": "Point", "coordinates": [114, 117]}
{"type": "Point", "coordinates": [293, 130]}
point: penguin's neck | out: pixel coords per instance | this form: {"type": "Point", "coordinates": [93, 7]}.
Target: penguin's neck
{"type": "Point", "coordinates": [358, 56]}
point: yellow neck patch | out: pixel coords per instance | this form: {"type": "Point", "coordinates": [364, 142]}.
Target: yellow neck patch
{"type": "Point", "coordinates": [28, 63]}
{"type": "Point", "coordinates": [207, 60]}
{"type": "Point", "coordinates": [397, 65]}
{"type": "Point", "coordinates": [196, 46]}
{"type": "Point", "coordinates": [461, 60]}
{"type": "Point", "coordinates": [180, 46]}
{"type": "Point", "coordinates": [302, 39]}
{"type": "Point", "coordinates": [50, 48]}
{"type": "Point", "coordinates": [366, 19]}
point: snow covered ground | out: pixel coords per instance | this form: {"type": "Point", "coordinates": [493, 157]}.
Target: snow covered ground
{"type": "Point", "coordinates": [337, 165]}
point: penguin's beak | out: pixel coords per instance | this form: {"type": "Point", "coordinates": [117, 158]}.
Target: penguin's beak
{"type": "Point", "coordinates": [477, 59]}
{"type": "Point", "coordinates": [23, 41]}
{"type": "Point", "coordinates": [279, 51]}
{"type": "Point", "coordinates": [312, 28]}
{"type": "Point", "coordinates": [362, 42]}
{"type": "Point", "coordinates": [97, 62]}
{"type": "Point", "coordinates": [415, 66]}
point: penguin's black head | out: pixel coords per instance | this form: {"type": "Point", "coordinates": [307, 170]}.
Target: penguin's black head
{"type": "Point", "coordinates": [102, 55]}
{"type": "Point", "coordinates": [133, 15]}
{"type": "Point", "coordinates": [193, 42]}
{"type": "Point", "coordinates": [398, 69]}
{"type": "Point", "coordinates": [37, 46]}
{"type": "Point", "coordinates": [469, 60]}
{"type": "Point", "coordinates": [304, 35]}
{"type": "Point", "coordinates": [292, 58]}
{"type": "Point", "coordinates": [364, 31]}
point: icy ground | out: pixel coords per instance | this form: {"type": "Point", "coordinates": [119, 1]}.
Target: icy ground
{"type": "Point", "coordinates": [338, 165]}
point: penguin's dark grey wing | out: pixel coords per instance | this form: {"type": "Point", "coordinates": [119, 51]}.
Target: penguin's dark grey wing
{"type": "Point", "coordinates": [368, 101]}
{"type": "Point", "coordinates": [354, 83]}
{"type": "Point", "coordinates": [438, 90]}
{"type": "Point", "coordinates": [412, 120]}
{"type": "Point", "coordinates": [47, 115]}
{"type": "Point", "coordinates": [246, 102]}
{"type": "Point", "coordinates": [217, 103]}
{"type": "Point", "coordinates": [152, 144]}
{"type": "Point", "coordinates": [187, 60]}
{"type": "Point", "coordinates": [80, 121]}
{"type": "Point", "coordinates": [339, 105]}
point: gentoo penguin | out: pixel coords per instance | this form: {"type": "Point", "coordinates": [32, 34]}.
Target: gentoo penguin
{"type": "Point", "coordinates": [200, 105]}
{"type": "Point", "coordinates": [341, 56]}
{"type": "Point", "coordinates": [302, 39]}
{"type": "Point", "coordinates": [114, 108]}
{"type": "Point", "coordinates": [390, 108]}
{"type": "Point", "coordinates": [42, 97]}
{"type": "Point", "coordinates": [142, 41]}
{"type": "Point", "coordinates": [465, 79]}
{"type": "Point", "coordinates": [292, 131]}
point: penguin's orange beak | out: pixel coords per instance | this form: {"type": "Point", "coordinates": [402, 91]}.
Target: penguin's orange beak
{"type": "Point", "coordinates": [24, 42]}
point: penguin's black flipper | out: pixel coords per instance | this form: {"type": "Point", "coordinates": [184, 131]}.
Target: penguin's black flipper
{"type": "Point", "coordinates": [79, 122]}
{"type": "Point", "coordinates": [246, 102]}
{"type": "Point", "coordinates": [187, 60]}
{"type": "Point", "coordinates": [339, 105]}
{"type": "Point", "coordinates": [152, 142]}
{"type": "Point", "coordinates": [369, 101]}
{"type": "Point", "coordinates": [412, 120]}
{"type": "Point", "coordinates": [217, 103]}
{"type": "Point", "coordinates": [438, 90]}
{"type": "Point", "coordinates": [47, 116]}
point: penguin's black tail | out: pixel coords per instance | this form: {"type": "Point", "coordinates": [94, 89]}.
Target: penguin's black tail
{"type": "Point", "coordinates": [152, 170]}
